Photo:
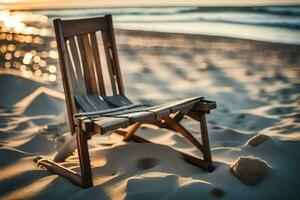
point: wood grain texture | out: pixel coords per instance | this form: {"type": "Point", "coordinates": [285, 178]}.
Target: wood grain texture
{"type": "Point", "coordinates": [96, 55]}
{"type": "Point", "coordinates": [82, 26]}
{"type": "Point", "coordinates": [84, 159]}
{"type": "Point", "coordinates": [87, 64]}
{"type": "Point", "coordinates": [77, 65]}
{"type": "Point", "coordinates": [66, 79]}
{"type": "Point", "coordinates": [114, 53]}
{"type": "Point", "coordinates": [111, 72]}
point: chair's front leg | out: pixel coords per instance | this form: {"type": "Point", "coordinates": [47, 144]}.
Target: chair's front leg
{"type": "Point", "coordinates": [60, 170]}
{"type": "Point", "coordinates": [84, 158]}
{"type": "Point", "coordinates": [84, 180]}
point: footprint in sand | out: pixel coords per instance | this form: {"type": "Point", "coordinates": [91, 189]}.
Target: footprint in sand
{"type": "Point", "coordinates": [281, 110]}
{"type": "Point", "coordinates": [146, 163]}
{"type": "Point", "coordinates": [217, 192]}
{"type": "Point", "coordinates": [257, 140]}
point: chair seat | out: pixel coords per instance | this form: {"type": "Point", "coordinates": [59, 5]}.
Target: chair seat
{"type": "Point", "coordinates": [111, 119]}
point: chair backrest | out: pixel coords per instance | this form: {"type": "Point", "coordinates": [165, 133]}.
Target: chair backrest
{"type": "Point", "coordinates": [89, 65]}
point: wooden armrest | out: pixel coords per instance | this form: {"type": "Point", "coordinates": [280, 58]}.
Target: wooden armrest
{"type": "Point", "coordinates": [205, 105]}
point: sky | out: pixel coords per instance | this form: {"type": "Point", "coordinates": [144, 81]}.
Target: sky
{"type": "Point", "coordinates": [40, 4]}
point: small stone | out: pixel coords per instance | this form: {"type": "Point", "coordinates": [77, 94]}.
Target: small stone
{"type": "Point", "coordinates": [217, 192]}
{"type": "Point", "coordinates": [257, 140]}
{"type": "Point", "coordinates": [250, 170]}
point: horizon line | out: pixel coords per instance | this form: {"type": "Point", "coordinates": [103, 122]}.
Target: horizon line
{"type": "Point", "coordinates": [69, 4]}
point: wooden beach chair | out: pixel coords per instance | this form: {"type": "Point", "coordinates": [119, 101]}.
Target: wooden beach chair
{"type": "Point", "coordinates": [96, 106]}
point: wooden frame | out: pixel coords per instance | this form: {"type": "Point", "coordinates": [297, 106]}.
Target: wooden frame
{"type": "Point", "coordinates": [91, 110]}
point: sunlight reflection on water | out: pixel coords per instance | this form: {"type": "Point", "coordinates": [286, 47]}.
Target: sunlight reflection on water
{"type": "Point", "coordinates": [27, 45]}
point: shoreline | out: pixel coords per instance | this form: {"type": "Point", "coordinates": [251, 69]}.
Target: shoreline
{"type": "Point", "coordinates": [277, 24]}
{"type": "Point", "coordinates": [210, 38]}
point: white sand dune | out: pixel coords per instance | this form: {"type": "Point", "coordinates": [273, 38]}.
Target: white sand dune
{"type": "Point", "coordinates": [255, 95]}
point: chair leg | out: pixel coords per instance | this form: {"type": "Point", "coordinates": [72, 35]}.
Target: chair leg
{"type": "Point", "coordinates": [172, 123]}
{"type": "Point", "coordinates": [56, 168]}
{"type": "Point", "coordinates": [188, 158]}
{"type": "Point", "coordinates": [181, 130]}
{"type": "Point", "coordinates": [131, 131]}
{"type": "Point", "coordinates": [84, 159]}
{"type": "Point", "coordinates": [84, 180]}
{"type": "Point", "coordinates": [205, 140]}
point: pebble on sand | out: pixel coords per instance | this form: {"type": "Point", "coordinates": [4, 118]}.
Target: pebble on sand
{"type": "Point", "coordinates": [257, 140]}
{"type": "Point", "coordinates": [250, 170]}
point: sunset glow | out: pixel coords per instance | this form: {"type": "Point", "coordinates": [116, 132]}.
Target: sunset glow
{"type": "Point", "coordinates": [35, 4]}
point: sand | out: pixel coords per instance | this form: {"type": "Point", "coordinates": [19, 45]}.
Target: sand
{"type": "Point", "coordinates": [255, 84]}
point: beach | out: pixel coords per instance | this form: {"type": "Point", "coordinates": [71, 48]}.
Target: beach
{"type": "Point", "coordinates": [255, 85]}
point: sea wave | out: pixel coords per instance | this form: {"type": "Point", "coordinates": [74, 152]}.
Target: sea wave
{"type": "Point", "coordinates": [278, 20]}
{"type": "Point", "coordinates": [284, 17]}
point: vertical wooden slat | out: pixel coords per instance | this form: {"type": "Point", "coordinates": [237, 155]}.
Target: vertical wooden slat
{"type": "Point", "coordinates": [106, 46]}
{"type": "Point", "coordinates": [99, 72]}
{"type": "Point", "coordinates": [71, 106]}
{"type": "Point", "coordinates": [76, 60]}
{"type": "Point", "coordinates": [97, 102]}
{"type": "Point", "coordinates": [84, 103]}
{"type": "Point", "coordinates": [71, 72]}
{"type": "Point", "coordinates": [87, 63]}
{"type": "Point", "coordinates": [114, 52]}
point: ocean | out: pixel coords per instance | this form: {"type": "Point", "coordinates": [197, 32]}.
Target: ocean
{"type": "Point", "coordinates": [280, 24]}
{"type": "Point", "coordinates": [27, 42]}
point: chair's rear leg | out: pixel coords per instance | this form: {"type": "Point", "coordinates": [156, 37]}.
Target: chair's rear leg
{"type": "Point", "coordinates": [185, 133]}
{"type": "Point", "coordinates": [188, 158]}
{"type": "Point", "coordinates": [84, 159]}
{"type": "Point", "coordinates": [205, 140]}
{"type": "Point", "coordinates": [178, 117]}
{"type": "Point", "coordinates": [131, 131]}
